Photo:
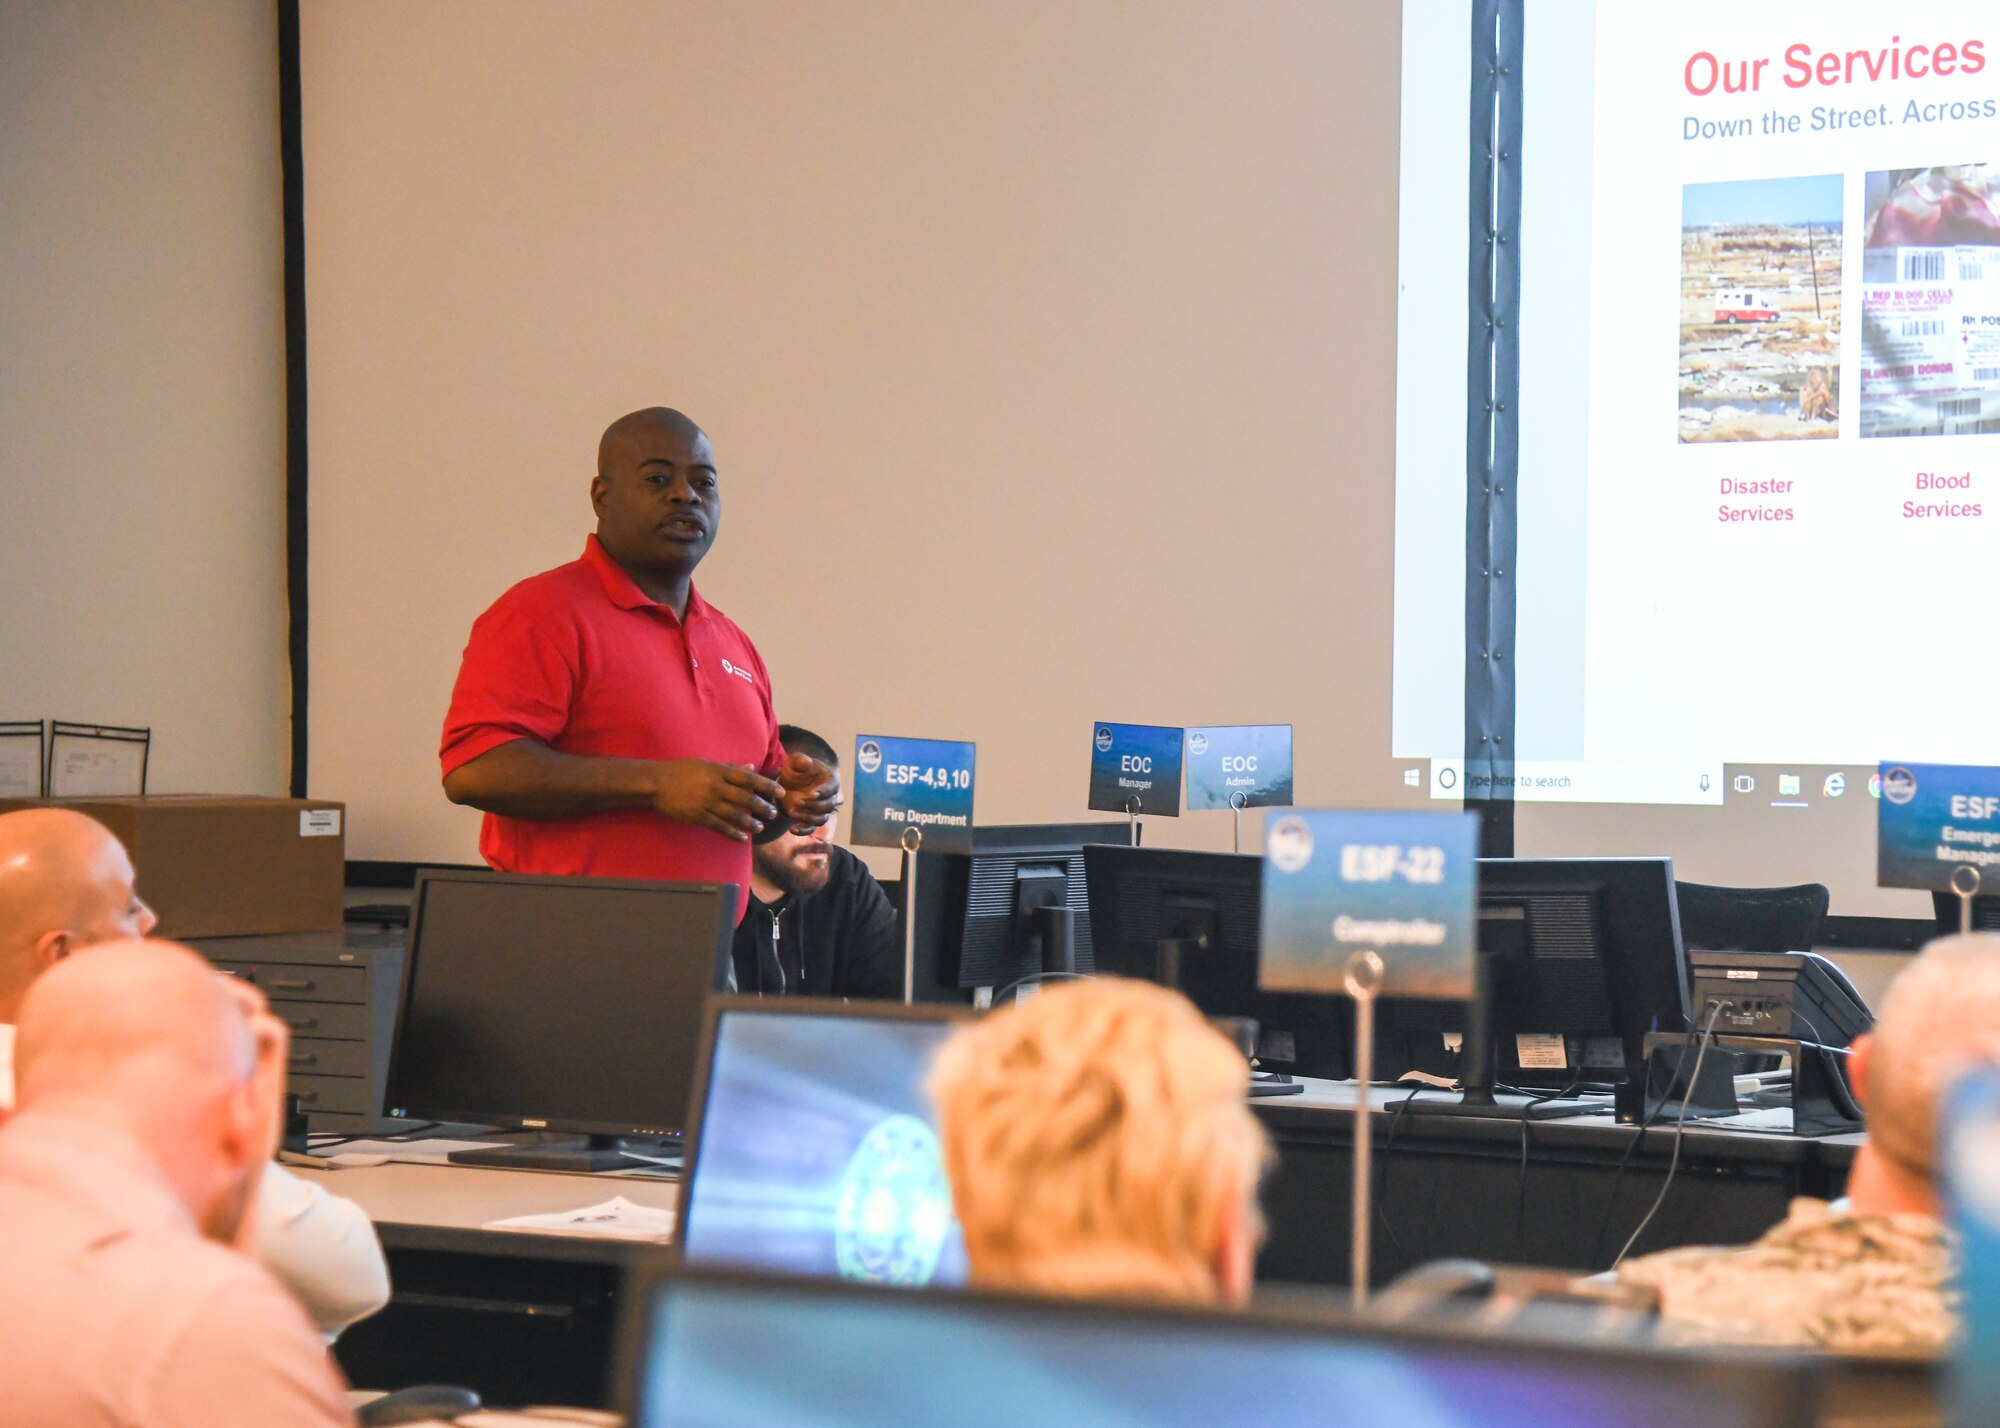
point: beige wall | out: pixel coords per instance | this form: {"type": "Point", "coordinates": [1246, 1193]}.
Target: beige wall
{"type": "Point", "coordinates": [141, 380]}
{"type": "Point", "coordinates": [1047, 346]}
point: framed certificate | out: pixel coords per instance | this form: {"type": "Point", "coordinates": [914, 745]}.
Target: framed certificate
{"type": "Point", "coordinates": [23, 758]}
{"type": "Point", "coordinates": [96, 760]}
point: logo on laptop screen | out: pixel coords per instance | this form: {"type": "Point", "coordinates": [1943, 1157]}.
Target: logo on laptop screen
{"type": "Point", "coordinates": [894, 1208]}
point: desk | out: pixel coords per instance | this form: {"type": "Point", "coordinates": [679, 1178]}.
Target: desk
{"type": "Point", "coordinates": [531, 1318]}
{"type": "Point", "coordinates": [522, 1318]}
{"type": "Point", "coordinates": [1452, 1186]}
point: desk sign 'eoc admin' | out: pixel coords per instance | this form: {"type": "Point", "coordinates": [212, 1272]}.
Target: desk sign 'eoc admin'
{"type": "Point", "coordinates": [1135, 768]}
{"type": "Point", "coordinates": [1240, 766]}
{"type": "Point", "coordinates": [921, 784]}
{"type": "Point", "coordinates": [1401, 885]}
{"type": "Point", "coordinates": [1935, 819]}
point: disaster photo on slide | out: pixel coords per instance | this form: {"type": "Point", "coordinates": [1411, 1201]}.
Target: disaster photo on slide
{"type": "Point", "coordinates": [1760, 309]}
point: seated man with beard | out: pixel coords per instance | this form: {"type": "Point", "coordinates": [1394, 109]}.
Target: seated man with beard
{"type": "Point", "coordinates": [818, 923]}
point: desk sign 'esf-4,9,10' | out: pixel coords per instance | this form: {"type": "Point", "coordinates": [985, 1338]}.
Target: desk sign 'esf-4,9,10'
{"type": "Point", "coordinates": [1401, 885]}
{"type": "Point", "coordinates": [920, 784]}
{"type": "Point", "coordinates": [1935, 820]}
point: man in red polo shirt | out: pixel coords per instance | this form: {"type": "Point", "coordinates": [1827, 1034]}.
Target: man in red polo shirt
{"type": "Point", "coordinates": [607, 719]}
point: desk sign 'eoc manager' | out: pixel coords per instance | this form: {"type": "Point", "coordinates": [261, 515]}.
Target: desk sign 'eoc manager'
{"type": "Point", "coordinates": [1135, 769]}
{"type": "Point", "coordinates": [1399, 885]}
{"type": "Point", "coordinates": [910, 791]}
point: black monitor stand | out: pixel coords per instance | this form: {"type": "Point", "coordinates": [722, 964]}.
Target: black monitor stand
{"type": "Point", "coordinates": [1168, 955]}
{"type": "Point", "coordinates": [589, 1153]}
{"type": "Point", "coordinates": [1476, 1059]}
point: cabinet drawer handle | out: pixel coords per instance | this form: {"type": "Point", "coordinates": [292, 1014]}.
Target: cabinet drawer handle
{"type": "Point", "coordinates": [309, 1059]}
{"type": "Point", "coordinates": [302, 1023]}
{"type": "Point", "coordinates": [305, 1096]}
{"type": "Point", "coordinates": [284, 986]}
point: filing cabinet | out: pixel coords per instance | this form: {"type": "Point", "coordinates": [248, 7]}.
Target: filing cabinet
{"type": "Point", "coordinates": [337, 992]}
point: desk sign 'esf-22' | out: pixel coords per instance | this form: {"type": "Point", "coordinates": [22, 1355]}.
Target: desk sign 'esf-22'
{"type": "Point", "coordinates": [1402, 885]}
{"type": "Point", "coordinates": [901, 784]}
{"type": "Point", "coordinates": [1239, 766]}
{"type": "Point", "coordinates": [1935, 819]}
{"type": "Point", "coordinates": [1135, 768]}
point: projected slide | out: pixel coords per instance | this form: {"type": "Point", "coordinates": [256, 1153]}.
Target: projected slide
{"type": "Point", "coordinates": [1759, 398]}
{"type": "Point", "coordinates": [817, 1152]}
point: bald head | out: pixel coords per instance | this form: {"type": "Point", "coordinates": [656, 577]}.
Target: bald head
{"type": "Point", "coordinates": [65, 883]}
{"type": "Point", "coordinates": [131, 1015]}
{"type": "Point", "coordinates": [636, 432]}
{"type": "Point", "coordinates": [657, 499]}
{"type": "Point", "coordinates": [1941, 1016]}
{"type": "Point", "coordinates": [145, 1041]}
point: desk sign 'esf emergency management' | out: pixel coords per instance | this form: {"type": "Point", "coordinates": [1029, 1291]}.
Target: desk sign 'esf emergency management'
{"type": "Point", "coordinates": [1401, 885]}
{"type": "Point", "coordinates": [1135, 768]}
{"type": "Point", "coordinates": [901, 784]}
{"type": "Point", "coordinates": [1240, 766]}
{"type": "Point", "coordinates": [1935, 819]}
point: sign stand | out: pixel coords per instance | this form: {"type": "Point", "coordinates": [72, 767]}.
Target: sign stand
{"type": "Point", "coordinates": [1364, 982]}
{"type": "Point", "coordinates": [913, 839]}
{"type": "Point", "coordinates": [1965, 894]}
{"type": "Point", "coordinates": [1238, 801]}
{"type": "Point", "coordinates": [1132, 817]}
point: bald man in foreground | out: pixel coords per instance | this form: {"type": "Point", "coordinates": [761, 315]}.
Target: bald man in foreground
{"type": "Point", "coordinates": [66, 885]}
{"type": "Point", "coordinates": [149, 1104]}
{"type": "Point", "coordinates": [1872, 1271]}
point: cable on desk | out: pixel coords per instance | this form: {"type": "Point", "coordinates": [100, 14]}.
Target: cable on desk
{"type": "Point", "coordinates": [326, 1141]}
{"type": "Point", "coordinates": [1382, 1170]}
{"type": "Point", "coordinates": [1645, 1124]}
{"type": "Point", "coordinates": [1707, 1038]}
{"type": "Point", "coordinates": [1521, 1190]}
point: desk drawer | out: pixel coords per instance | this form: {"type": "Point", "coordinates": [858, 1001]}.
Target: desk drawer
{"type": "Point", "coordinates": [312, 1056]}
{"type": "Point", "coordinates": [295, 982]}
{"type": "Point", "coordinates": [341, 1095]}
{"type": "Point", "coordinates": [329, 1021]}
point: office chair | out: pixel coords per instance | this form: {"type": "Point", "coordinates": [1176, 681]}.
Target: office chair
{"type": "Point", "coordinates": [1718, 919]}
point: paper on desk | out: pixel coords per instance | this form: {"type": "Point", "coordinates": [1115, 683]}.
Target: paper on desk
{"type": "Point", "coordinates": [1773, 1118]}
{"type": "Point", "coordinates": [615, 1219]}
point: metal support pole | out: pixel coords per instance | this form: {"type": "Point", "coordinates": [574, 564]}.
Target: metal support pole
{"type": "Point", "coordinates": [1237, 800]}
{"type": "Point", "coordinates": [913, 839]}
{"type": "Point", "coordinates": [1364, 982]}
{"type": "Point", "coordinates": [1132, 816]}
{"type": "Point", "coordinates": [1965, 894]}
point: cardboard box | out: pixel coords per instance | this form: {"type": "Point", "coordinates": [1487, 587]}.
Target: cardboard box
{"type": "Point", "coordinates": [222, 865]}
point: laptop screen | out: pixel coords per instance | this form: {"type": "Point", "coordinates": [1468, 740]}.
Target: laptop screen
{"type": "Point", "coordinates": [818, 1153]}
{"type": "Point", "coordinates": [814, 1356]}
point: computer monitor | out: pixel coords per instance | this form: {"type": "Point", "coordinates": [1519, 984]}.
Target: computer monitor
{"type": "Point", "coordinates": [812, 1146]}
{"type": "Point", "coordinates": [721, 1349]}
{"type": "Point", "coordinates": [556, 1004]}
{"type": "Point", "coordinates": [1949, 911]}
{"type": "Point", "coordinates": [1578, 959]}
{"type": "Point", "coordinates": [1191, 921]}
{"type": "Point", "coordinates": [1013, 909]}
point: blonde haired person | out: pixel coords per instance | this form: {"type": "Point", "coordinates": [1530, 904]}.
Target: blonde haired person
{"type": "Point", "coordinates": [1872, 1271]}
{"type": "Point", "coordinates": [1099, 1141]}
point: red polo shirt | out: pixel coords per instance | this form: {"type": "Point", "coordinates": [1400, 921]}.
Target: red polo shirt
{"type": "Point", "coordinates": [579, 658]}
